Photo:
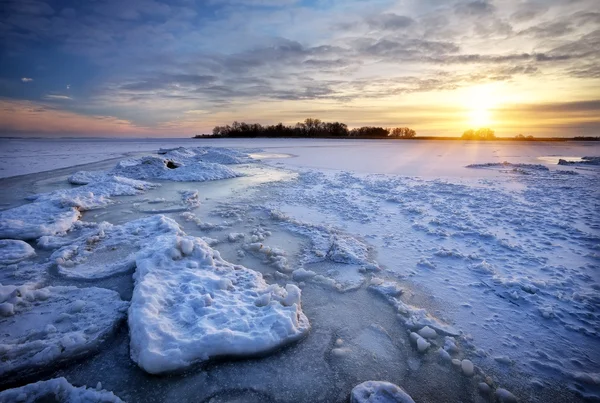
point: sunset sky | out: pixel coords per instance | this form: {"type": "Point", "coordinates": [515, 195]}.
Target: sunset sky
{"type": "Point", "coordinates": [178, 68]}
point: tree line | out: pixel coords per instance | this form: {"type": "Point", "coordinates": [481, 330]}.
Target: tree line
{"type": "Point", "coordinates": [310, 128]}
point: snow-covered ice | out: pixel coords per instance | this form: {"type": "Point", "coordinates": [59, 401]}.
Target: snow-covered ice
{"type": "Point", "coordinates": [57, 390]}
{"type": "Point", "coordinates": [13, 251]}
{"type": "Point", "coordinates": [379, 392]}
{"type": "Point", "coordinates": [189, 305]}
{"type": "Point", "coordinates": [42, 327]}
{"type": "Point", "coordinates": [109, 249]}
{"type": "Point", "coordinates": [420, 264]}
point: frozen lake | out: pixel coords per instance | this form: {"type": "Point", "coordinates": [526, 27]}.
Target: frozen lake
{"type": "Point", "coordinates": [412, 267]}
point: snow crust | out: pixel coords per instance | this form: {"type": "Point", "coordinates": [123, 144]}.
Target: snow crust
{"type": "Point", "coordinates": [13, 251]}
{"type": "Point", "coordinates": [379, 392]}
{"type": "Point", "coordinates": [189, 305]}
{"type": "Point", "coordinates": [56, 212]}
{"type": "Point", "coordinates": [109, 249]}
{"type": "Point", "coordinates": [57, 390]}
{"type": "Point", "coordinates": [180, 165]}
{"type": "Point", "coordinates": [46, 326]}
{"type": "Point", "coordinates": [34, 220]}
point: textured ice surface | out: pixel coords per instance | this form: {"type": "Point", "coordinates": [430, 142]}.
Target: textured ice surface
{"type": "Point", "coordinates": [34, 220]}
{"type": "Point", "coordinates": [109, 249]}
{"type": "Point", "coordinates": [180, 165]}
{"type": "Point", "coordinates": [46, 326]}
{"type": "Point", "coordinates": [503, 259]}
{"type": "Point", "coordinates": [56, 212]}
{"type": "Point", "coordinates": [379, 392]}
{"type": "Point", "coordinates": [189, 305]}
{"type": "Point", "coordinates": [13, 251]}
{"type": "Point", "coordinates": [57, 390]}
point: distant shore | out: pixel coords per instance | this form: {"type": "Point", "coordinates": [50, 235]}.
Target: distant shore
{"type": "Point", "coordinates": [444, 138]}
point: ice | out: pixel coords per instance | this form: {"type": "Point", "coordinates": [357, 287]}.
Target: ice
{"type": "Point", "coordinates": [48, 326]}
{"type": "Point", "coordinates": [330, 244]}
{"type": "Point", "coordinates": [56, 212]}
{"type": "Point", "coordinates": [34, 220]}
{"type": "Point", "coordinates": [110, 249]}
{"type": "Point", "coordinates": [13, 251]}
{"type": "Point", "coordinates": [583, 161]}
{"type": "Point", "coordinates": [189, 305]}
{"type": "Point", "coordinates": [379, 392]}
{"type": "Point", "coordinates": [57, 390]}
{"type": "Point", "coordinates": [467, 367]}
{"type": "Point", "coordinates": [504, 396]}
{"type": "Point", "coordinates": [513, 166]}
{"type": "Point", "coordinates": [427, 333]}
{"type": "Point", "coordinates": [499, 263]}
{"type": "Point", "coordinates": [95, 194]}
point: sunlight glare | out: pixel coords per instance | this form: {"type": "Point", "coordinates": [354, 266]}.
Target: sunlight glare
{"type": "Point", "coordinates": [480, 101]}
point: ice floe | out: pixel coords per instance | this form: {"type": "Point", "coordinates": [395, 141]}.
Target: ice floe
{"type": "Point", "coordinates": [110, 249]}
{"type": "Point", "coordinates": [57, 390]}
{"type": "Point", "coordinates": [56, 212]}
{"type": "Point", "coordinates": [180, 165]}
{"type": "Point", "coordinates": [42, 327]}
{"type": "Point", "coordinates": [189, 305]}
{"type": "Point", "coordinates": [13, 251]}
{"type": "Point", "coordinates": [582, 161]}
{"type": "Point", "coordinates": [379, 392]}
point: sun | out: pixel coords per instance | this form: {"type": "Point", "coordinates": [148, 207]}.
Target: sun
{"type": "Point", "coordinates": [480, 101]}
{"type": "Point", "coordinates": [480, 117]}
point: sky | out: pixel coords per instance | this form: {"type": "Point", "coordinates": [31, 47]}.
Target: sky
{"type": "Point", "coordinates": [174, 69]}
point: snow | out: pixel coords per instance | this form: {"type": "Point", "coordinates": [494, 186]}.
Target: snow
{"type": "Point", "coordinates": [109, 249]}
{"type": "Point", "coordinates": [34, 220]}
{"type": "Point", "coordinates": [189, 305]}
{"type": "Point", "coordinates": [51, 325]}
{"type": "Point", "coordinates": [56, 212]}
{"type": "Point", "coordinates": [180, 170]}
{"type": "Point", "coordinates": [58, 390]}
{"type": "Point", "coordinates": [13, 251]}
{"type": "Point", "coordinates": [444, 272]}
{"type": "Point", "coordinates": [379, 392]}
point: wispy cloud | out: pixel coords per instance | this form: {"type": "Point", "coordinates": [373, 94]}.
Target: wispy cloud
{"type": "Point", "coordinates": [57, 97]}
{"type": "Point", "coordinates": [26, 79]}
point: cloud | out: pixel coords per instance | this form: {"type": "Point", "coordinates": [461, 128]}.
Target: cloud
{"type": "Point", "coordinates": [26, 79]}
{"type": "Point", "coordinates": [389, 21]}
{"type": "Point", "coordinates": [475, 8]}
{"type": "Point", "coordinates": [36, 118]}
{"type": "Point", "coordinates": [57, 97]}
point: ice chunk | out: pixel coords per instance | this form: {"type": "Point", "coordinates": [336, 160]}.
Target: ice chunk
{"type": "Point", "coordinates": [505, 396]}
{"type": "Point", "coordinates": [176, 169]}
{"type": "Point", "coordinates": [467, 367]}
{"type": "Point", "coordinates": [303, 274]}
{"type": "Point", "coordinates": [13, 251]}
{"type": "Point", "coordinates": [505, 164]}
{"type": "Point", "coordinates": [57, 390]}
{"type": "Point", "coordinates": [34, 220]}
{"type": "Point", "coordinates": [111, 249]}
{"type": "Point", "coordinates": [427, 333]}
{"type": "Point", "coordinates": [57, 211]}
{"type": "Point", "coordinates": [54, 324]}
{"type": "Point", "coordinates": [181, 315]}
{"type": "Point", "coordinates": [379, 392]}
{"type": "Point", "coordinates": [94, 194]}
